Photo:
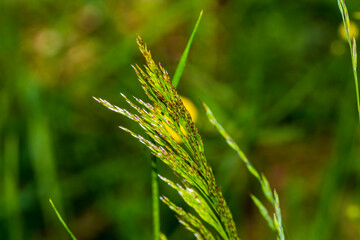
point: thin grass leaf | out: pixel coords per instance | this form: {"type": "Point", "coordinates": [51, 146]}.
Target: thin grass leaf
{"type": "Point", "coordinates": [182, 62]}
{"type": "Point", "coordinates": [265, 186]}
{"type": "Point", "coordinates": [62, 221]}
{"type": "Point", "coordinates": [352, 44]}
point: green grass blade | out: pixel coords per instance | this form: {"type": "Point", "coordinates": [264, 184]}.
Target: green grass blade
{"type": "Point", "coordinates": [62, 221]}
{"type": "Point", "coordinates": [182, 62]}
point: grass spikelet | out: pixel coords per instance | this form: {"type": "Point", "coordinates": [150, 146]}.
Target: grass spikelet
{"type": "Point", "coordinates": [198, 187]}
{"type": "Point", "coordinates": [198, 203]}
{"type": "Point", "coordinates": [264, 212]}
{"type": "Point", "coordinates": [191, 222]}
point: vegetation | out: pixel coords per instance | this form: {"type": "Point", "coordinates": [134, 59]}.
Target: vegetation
{"type": "Point", "coordinates": [277, 77]}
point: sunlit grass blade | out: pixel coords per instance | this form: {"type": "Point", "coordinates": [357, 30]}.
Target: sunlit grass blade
{"type": "Point", "coordinates": [62, 221]}
{"type": "Point", "coordinates": [182, 62]}
{"type": "Point", "coordinates": [352, 44]}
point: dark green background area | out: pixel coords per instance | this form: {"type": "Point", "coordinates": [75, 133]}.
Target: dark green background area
{"type": "Point", "coordinates": [276, 74]}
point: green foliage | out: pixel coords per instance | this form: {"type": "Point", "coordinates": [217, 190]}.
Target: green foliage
{"type": "Point", "coordinates": [274, 75]}
{"type": "Point", "coordinates": [197, 183]}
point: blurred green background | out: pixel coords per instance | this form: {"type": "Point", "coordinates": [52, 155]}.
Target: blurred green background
{"type": "Point", "coordinates": [277, 74]}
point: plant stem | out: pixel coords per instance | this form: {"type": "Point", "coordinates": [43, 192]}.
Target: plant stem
{"type": "Point", "coordinates": [155, 198]}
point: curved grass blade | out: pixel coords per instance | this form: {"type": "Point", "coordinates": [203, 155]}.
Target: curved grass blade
{"type": "Point", "coordinates": [62, 221]}
{"type": "Point", "coordinates": [182, 62]}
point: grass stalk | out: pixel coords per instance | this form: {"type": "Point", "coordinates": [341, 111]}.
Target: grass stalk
{"type": "Point", "coordinates": [155, 198]}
